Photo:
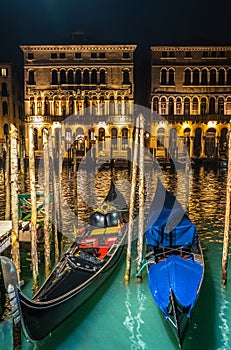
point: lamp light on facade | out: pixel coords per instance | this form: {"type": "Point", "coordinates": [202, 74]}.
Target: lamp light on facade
{"type": "Point", "coordinates": [212, 124]}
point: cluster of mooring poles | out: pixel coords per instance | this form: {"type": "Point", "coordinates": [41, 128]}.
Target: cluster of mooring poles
{"type": "Point", "coordinates": [137, 159]}
{"type": "Point", "coordinates": [52, 183]}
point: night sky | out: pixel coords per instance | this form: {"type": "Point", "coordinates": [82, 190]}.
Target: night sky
{"type": "Point", "coordinates": [143, 22]}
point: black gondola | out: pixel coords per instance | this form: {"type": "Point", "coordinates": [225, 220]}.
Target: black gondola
{"type": "Point", "coordinates": [174, 259]}
{"type": "Point", "coordinates": [83, 268]}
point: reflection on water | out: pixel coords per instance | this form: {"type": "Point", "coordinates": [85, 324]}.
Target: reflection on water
{"type": "Point", "coordinates": [133, 321]}
{"type": "Point", "coordinates": [128, 314]}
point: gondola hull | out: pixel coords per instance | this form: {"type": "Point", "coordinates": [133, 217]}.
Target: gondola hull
{"type": "Point", "coordinates": [174, 261]}
{"type": "Point", "coordinates": [41, 318]}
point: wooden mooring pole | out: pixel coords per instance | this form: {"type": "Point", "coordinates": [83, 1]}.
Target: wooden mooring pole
{"type": "Point", "coordinates": [55, 200]}
{"type": "Point", "coordinates": [34, 255]}
{"type": "Point", "coordinates": [15, 251]}
{"type": "Point", "coordinates": [141, 201]}
{"type": "Point", "coordinates": [7, 179]}
{"type": "Point", "coordinates": [132, 204]}
{"type": "Point", "coordinates": [225, 255]}
{"type": "Point", "coordinates": [47, 248]}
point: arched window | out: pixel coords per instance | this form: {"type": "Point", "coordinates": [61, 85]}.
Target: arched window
{"type": "Point", "coordinates": [126, 104]}
{"type": "Point", "coordinates": [224, 142]}
{"type": "Point", "coordinates": [70, 76]}
{"type": "Point", "coordinates": [32, 109]}
{"type": "Point", "coordinates": [31, 78]}
{"type": "Point", "coordinates": [213, 79]}
{"type": "Point", "coordinates": [195, 105]}
{"type": "Point", "coordinates": [54, 77]}
{"type": "Point", "coordinates": [124, 138]}
{"type": "Point", "coordinates": [101, 139]}
{"type": "Point", "coordinates": [210, 142]}
{"type": "Point", "coordinates": [4, 89]}
{"type": "Point", "coordinates": [56, 106]}
{"type": "Point", "coordinates": [171, 106]}
{"type": "Point", "coordinates": [86, 76]}
{"type": "Point", "coordinates": [35, 134]}
{"type": "Point", "coordinates": [163, 107]}
{"type": "Point", "coordinates": [187, 77]}
{"type": "Point", "coordinates": [62, 76]}
{"type": "Point", "coordinates": [156, 105]}
{"type": "Point", "coordinates": [163, 77]}
{"type": "Point", "coordinates": [94, 105]}
{"type": "Point", "coordinates": [221, 77]}
{"type": "Point", "coordinates": [6, 129]}
{"type": "Point", "coordinates": [228, 105]}
{"type": "Point", "coordinates": [68, 140]}
{"type": "Point", "coordinates": [63, 106]}
{"type": "Point", "coordinates": [78, 105]}
{"type": "Point", "coordinates": [187, 138]}
{"type": "Point", "coordinates": [102, 77]}
{"type": "Point", "coordinates": [203, 106]}
{"type": "Point", "coordinates": [196, 77]}
{"type": "Point", "coordinates": [160, 137]}
{"type": "Point", "coordinates": [204, 77]}
{"type": "Point", "coordinates": [114, 138]}
{"type": "Point", "coordinates": [4, 108]}
{"type": "Point", "coordinates": [93, 76]}
{"type": "Point", "coordinates": [78, 79]}
{"type": "Point", "coordinates": [39, 106]}
{"type": "Point", "coordinates": [186, 106]}
{"type": "Point", "coordinates": [86, 105]}
{"type": "Point", "coordinates": [197, 143]}
{"type": "Point", "coordinates": [171, 79]}
{"type": "Point", "coordinates": [46, 106]}
{"type": "Point", "coordinates": [212, 105]}
{"type": "Point", "coordinates": [126, 78]}
{"type": "Point", "coordinates": [119, 105]}
{"type": "Point", "coordinates": [229, 77]}
{"type": "Point", "coordinates": [178, 106]}
{"type": "Point", "coordinates": [102, 105]}
{"type": "Point", "coordinates": [71, 105]}
{"type": "Point", "coordinates": [111, 105]}
{"type": "Point", "coordinates": [221, 106]}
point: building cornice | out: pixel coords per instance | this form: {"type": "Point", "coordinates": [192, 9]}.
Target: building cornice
{"type": "Point", "coordinates": [190, 48]}
{"type": "Point", "coordinates": [81, 48]}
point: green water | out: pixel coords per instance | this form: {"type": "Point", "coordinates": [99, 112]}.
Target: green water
{"type": "Point", "coordinates": [125, 316]}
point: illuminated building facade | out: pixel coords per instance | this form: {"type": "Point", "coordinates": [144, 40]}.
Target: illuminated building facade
{"type": "Point", "coordinates": [92, 83]}
{"type": "Point", "coordinates": [11, 103]}
{"type": "Point", "coordinates": [191, 89]}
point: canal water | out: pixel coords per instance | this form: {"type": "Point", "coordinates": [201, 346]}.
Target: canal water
{"type": "Point", "coordinates": [125, 317]}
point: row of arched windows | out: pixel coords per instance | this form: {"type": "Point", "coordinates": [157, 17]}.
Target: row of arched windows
{"type": "Point", "coordinates": [85, 76]}
{"type": "Point", "coordinates": [197, 76]}
{"type": "Point", "coordinates": [194, 106]}
{"type": "Point", "coordinates": [67, 106]}
{"type": "Point", "coordinates": [70, 137]}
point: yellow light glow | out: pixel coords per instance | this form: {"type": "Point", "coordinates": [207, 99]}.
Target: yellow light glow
{"type": "Point", "coordinates": [212, 124]}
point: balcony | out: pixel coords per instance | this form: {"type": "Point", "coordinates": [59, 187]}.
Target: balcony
{"type": "Point", "coordinates": [220, 118]}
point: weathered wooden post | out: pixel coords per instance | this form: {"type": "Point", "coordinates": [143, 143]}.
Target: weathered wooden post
{"type": "Point", "coordinates": [46, 203]}
{"type": "Point", "coordinates": [75, 178]}
{"type": "Point", "coordinates": [225, 255]}
{"type": "Point", "coordinates": [22, 164]}
{"type": "Point", "coordinates": [60, 167]}
{"type": "Point", "coordinates": [15, 250]}
{"type": "Point", "coordinates": [14, 197]}
{"type": "Point", "coordinates": [141, 201]}
{"type": "Point", "coordinates": [132, 204]}
{"type": "Point", "coordinates": [7, 179]}
{"type": "Point", "coordinates": [34, 255]}
{"type": "Point", "coordinates": [55, 196]}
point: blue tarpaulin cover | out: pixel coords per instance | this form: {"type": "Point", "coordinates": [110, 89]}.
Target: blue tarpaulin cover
{"type": "Point", "coordinates": [181, 276]}
{"type": "Point", "coordinates": [167, 224]}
